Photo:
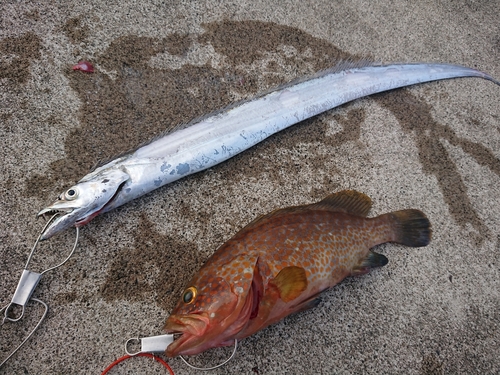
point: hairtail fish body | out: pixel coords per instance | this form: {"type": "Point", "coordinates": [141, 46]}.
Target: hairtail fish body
{"type": "Point", "coordinates": [219, 136]}
{"type": "Point", "coordinates": [280, 263]}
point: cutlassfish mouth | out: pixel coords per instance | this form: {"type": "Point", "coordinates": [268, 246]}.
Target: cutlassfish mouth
{"type": "Point", "coordinates": [82, 202]}
{"type": "Point", "coordinates": [50, 212]}
{"type": "Point", "coordinates": [59, 220]}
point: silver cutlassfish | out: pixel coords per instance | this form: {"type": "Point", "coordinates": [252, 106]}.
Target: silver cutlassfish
{"type": "Point", "coordinates": [222, 135]}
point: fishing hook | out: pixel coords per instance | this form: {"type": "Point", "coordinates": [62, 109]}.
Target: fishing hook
{"type": "Point", "coordinates": [32, 331]}
{"type": "Point", "coordinates": [212, 368]}
{"type": "Point", "coordinates": [27, 285]}
{"type": "Point", "coordinates": [29, 279]}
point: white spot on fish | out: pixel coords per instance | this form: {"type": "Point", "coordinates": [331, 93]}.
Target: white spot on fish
{"type": "Point", "coordinates": [238, 290]}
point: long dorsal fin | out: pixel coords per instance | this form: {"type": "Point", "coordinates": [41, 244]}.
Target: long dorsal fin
{"type": "Point", "coordinates": [348, 201]}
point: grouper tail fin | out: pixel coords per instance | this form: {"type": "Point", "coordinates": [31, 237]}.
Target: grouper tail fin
{"type": "Point", "coordinates": [411, 228]}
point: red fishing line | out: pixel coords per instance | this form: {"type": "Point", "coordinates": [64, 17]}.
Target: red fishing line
{"type": "Point", "coordinates": [158, 359]}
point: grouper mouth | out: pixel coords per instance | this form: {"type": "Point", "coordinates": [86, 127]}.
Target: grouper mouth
{"type": "Point", "coordinates": [188, 331]}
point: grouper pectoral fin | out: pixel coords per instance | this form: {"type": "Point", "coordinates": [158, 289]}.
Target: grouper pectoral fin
{"type": "Point", "coordinates": [291, 282]}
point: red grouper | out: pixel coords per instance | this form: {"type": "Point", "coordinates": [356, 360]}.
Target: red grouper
{"type": "Point", "coordinates": [279, 264]}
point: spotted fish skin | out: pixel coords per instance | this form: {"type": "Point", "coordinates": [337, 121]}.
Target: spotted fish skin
{"type": "Point", "coordinates": [279, 264]}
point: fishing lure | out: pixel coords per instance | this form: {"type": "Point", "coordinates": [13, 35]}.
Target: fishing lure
{"type": "Point", "coordinates": [219, 136]}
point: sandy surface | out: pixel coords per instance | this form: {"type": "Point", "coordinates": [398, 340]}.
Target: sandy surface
{"type": "Point", "coordinates": [435, 147]}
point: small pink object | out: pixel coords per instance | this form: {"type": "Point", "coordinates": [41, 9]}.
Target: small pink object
{"type": "Point", "coordinates": [84, 66]}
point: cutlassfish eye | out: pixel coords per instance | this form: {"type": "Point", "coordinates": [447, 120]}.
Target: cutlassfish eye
{"type": "Point", "coordinates": [71, 194]}
{"type": "Point", "coordinates": [189, 295]}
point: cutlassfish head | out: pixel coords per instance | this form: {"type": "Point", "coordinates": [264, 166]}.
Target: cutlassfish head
{"type": "Point", "coordinates": [208, 315]}
{"type": "Point", "coordinates": [82, 202]}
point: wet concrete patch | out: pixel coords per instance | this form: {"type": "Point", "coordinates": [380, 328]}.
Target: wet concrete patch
{"type": "Point", "coordinates": [414, 116]}
{"type": "Point", "coordinates": [244, 42]}
{"type": "Point", "coordinates": [75, 30]}
{"type": "Point", "coordinates": [17, 54]}
{"type": "Point", "coordinates": [431, 365]}
{"type": "Point", "coordinates": [351, 127]}
{"type": "Point", "coordinates": [157, 265]}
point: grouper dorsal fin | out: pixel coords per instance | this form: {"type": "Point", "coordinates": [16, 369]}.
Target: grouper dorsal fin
{"type": "Point", "coordinates": [348, 201]}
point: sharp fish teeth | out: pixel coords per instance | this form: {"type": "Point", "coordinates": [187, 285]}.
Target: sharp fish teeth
{"type": "Point", "coordinates": [50, 213]}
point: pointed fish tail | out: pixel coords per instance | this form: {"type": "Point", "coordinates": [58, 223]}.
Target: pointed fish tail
{"type": "Point", "coordinates": [456, 71]}
{"type": "Point", "coordinates": [411, 227]}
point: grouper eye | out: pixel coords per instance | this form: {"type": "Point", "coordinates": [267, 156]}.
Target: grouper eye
{"type": "Point", "coordinates": [71, 193]}
{"type": "Point", "coordinates": [189, 295]}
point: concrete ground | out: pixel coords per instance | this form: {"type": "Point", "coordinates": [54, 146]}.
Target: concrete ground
{"type": "Point", "coordinates": [435, 147]}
